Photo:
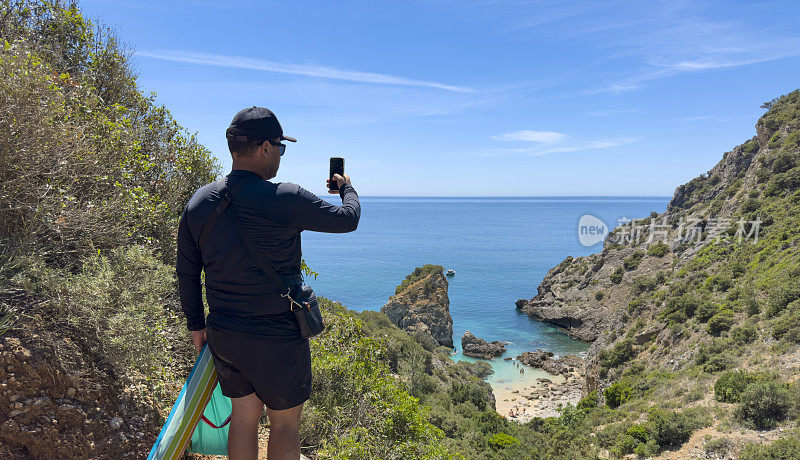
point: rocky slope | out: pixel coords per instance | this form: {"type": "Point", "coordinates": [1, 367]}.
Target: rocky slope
{"type": "Point", "coordinates": [676, 299]}
{"type": "Point", "coordinates": [421, 304]}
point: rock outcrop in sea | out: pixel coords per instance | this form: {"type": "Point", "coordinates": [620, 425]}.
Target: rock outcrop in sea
{"type": "Point", "coordinates": [476, 347]}
{"type": "Point", "coordinates": [421, 303]}
{"type": "Point", "coordinates": [557, 366]}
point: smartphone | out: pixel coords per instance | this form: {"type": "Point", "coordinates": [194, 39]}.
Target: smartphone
{"type": "Point", "coordinates": [337, 167]}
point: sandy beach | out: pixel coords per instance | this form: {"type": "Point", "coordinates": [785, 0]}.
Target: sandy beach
{"type": "Point", "coordinates": [535, 393]}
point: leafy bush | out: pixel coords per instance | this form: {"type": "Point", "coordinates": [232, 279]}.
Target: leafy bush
{"type": "Point", "coordinates": [616, 276]}
{"type": "Point", "coordinates": [621, 353]}
{"type": "Point", "coordinates": [787, 327]}
{"type": "Point", "coordinates": [632, 262]}
{"type": "Point", "coordinates": [716, 355]}
{"type": "Point", "coordinates": [599, 295]}
{"type": "Point", "coordinates": [781, 297]}
{"type": "Point", "coordinates": [634, 305]}
{"type": "Point", "coordinates": [659, 249]}
{"type": "Point", "coordinates": [730, 385]}
{"type": "Point", "coordinates": [706, 310]}
{"type": "Point", "coordinates": [356, 408]}
{"type": "Point", "coordinates": [719, 282]}
{"type": "Point", "coordinates": [120, 302]}
{"type": "Point", "coordinates": [643, 284]}
{"type": "Point", "coordinates": [618, 393]}
{"type": "Point", "coordinates": [625, 444]}
{"type": "Point", "coordinates": [589, 402]}
{"type": "Point", "coordinates": [782, 449]}
{"type": "Point", "coordinates": [105, 165]}
{"type": "Point", "coordinates": [764, 404]}
{"type": "Point", "coordinates": [671, 429]}
{"type": "Point", "coordinates": [720, 322]}
{"type": "Point", "coordinates": [462, 392]}
{"type": "Point", "coordinates": [501, 441]}
{"type": "Point", "coordinates": [743, 335]}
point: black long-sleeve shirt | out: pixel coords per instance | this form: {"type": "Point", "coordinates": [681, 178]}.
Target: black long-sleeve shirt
{"type": "Point", "coordinates": [239, 294]}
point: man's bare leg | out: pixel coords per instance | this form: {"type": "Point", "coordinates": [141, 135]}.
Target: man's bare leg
{"type": "Point", "coordinates": [284, 433]}
{"type": "Point", "coordinates": [243, 432]}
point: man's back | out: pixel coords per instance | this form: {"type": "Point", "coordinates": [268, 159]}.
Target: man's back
{"type": "Point", "coordinates": [240, 296]}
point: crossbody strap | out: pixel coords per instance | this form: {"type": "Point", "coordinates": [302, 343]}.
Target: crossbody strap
{"type": "Point", "coordinates": [266, 265]}
{"type": "Point", "coordinates": [228, 195]}
{"type": "Point", "coordinates": [224, 202]}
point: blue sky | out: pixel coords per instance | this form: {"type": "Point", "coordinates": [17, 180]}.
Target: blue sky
{"type": "Point", "coordinates": [473, 98]}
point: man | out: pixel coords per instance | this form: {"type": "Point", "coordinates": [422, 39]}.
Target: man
{"type": "Point", "coordinates": [254, 338]}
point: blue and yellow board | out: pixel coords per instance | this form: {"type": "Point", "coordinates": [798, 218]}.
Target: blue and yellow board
{"type": "Point", "coordinates": [187, 411]}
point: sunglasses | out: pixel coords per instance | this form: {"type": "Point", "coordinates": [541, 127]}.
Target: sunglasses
{"type": "Point", "coordinates": [281, 147]}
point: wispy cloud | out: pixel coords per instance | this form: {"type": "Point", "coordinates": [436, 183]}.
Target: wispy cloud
{"type": "Point", "coordinates": [547, 137]}
{"type": "Point", "coordinates": [559, 143]}
{"type": "Point", "coordinates": [591, 145]}
{"type": "Point", "coordinates": [610, 112]}
{"type": "Point", "coordinates": [693, 118]}
{"type": "Point", "coordinates": [239, 62]}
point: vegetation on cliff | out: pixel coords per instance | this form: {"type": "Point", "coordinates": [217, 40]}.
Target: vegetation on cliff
{"type": "Point", "coordinates": [698, 308]}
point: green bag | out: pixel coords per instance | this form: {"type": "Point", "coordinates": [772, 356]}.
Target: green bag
{"type": "Point", "coordinates": [210, 437]}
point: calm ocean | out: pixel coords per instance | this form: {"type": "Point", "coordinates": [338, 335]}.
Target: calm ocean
{"type": "Point", "coordinates": [500, 249]}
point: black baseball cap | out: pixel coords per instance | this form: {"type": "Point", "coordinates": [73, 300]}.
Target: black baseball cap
{"type": "Point", "coordinates": [255, 124]}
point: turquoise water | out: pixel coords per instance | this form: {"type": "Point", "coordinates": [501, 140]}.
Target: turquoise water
{"type": "Point", "coordinates": [500, 249]}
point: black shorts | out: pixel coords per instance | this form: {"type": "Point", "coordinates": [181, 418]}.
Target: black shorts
{"type": "Point", "coordinates": [278, 370]}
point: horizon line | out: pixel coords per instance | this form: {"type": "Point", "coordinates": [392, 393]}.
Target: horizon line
{"type": "Point", "coordinates": [513, 196]}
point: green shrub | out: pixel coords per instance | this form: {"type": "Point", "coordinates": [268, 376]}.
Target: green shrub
{"type": "Point", "coordinates": [643, 284]}
{"type": "Point", "coordinates": [719, 282]}
{"type": "Point", "coordinates": [750, 205]}
{"type": "Point", "coordinates": [621, 353]}
{"type": "Point", "coordinates": [783, 449]}
{"type": "Point", "coordinates": [624, 445]}
{"type": "Point", "coordinates": [118, 302]}
{"type": "Point", "coordinates": [764, 404]}
{"type": "Point", "coordinates": [706, 310]}
{"type": "Point", "coordinates": [589, 402]}
{"type": "Point", "coordinates": [635, 305]}
{"type": "Point", "coordinates": [501, 441]}
{"type": "Point", "coordinates": [616, 276]}
{"type": "Point", "coordinates": [462, 392]}
{"type": "Point", "coordinates": [608, 435]}
{"type": "Point", "coordinates": [716, 355]}
{"type": "Point", "coordinates": [659, 249]}
{"type": "Point", "coordinates": [357, 409]}
{"type": "Point", "coordinates": [618, 393]}
{"type": "Point", "coordinates": [787, 328]}
{"type": "Point", "coordinates": [632, 262]}
{"type": "Point", "coordinates": [730, 385]}
{"type": "Point", "coordinates": [599, 295]}
{"type": "Point", "coordinates": [639, 432]}
{"type": "Point", "coordinates": [781, 297]}
{"type": "Point", "coordinates": [672, 429]}
{"type": "Point", "coordinates": [720, 322]}
{"type": "Point", "coordinates": [743, 335]}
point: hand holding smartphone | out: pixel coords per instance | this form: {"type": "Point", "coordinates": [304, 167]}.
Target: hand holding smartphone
{"type": "Point", "coordinates": [336, 167]}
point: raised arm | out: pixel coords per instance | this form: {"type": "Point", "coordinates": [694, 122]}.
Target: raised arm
{"type": "Point", "coordinates": [309, 212]}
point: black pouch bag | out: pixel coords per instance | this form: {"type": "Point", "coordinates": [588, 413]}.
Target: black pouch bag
{"type": "Point", "coordinates": [303, 302]}
{"type": "Point", "coordinates": [306, 310]}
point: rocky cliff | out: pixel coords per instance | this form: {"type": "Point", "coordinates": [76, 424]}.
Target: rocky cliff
{"type": "Point", "coordinates": [476, 347]}
{"type": "Point", "coordinates": [676, 299]}
{"type": "Point", "coordinates": [421, 303]}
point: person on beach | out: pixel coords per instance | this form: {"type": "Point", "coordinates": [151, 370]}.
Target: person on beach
{"type": "Point", "coordinates": [258, 351]}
